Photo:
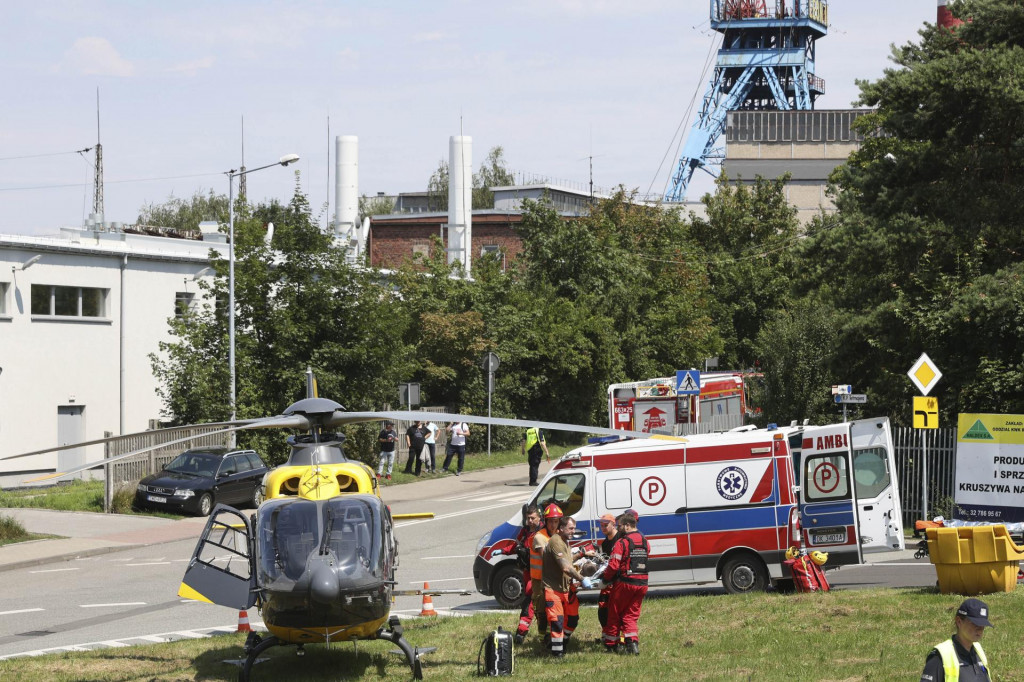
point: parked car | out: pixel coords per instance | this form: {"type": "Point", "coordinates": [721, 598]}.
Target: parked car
{"type": "Point", "coordinates": [197, 479]}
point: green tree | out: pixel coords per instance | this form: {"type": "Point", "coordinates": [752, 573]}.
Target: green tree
{"type": "Point", "coordinates": [298, 305]}
{"type": "Point", "coordinates": [927, 220]}
{"type": "Point", "coordinates": [749, 237]}
{"type": "Point", "coordinates": [378, 205]}
{"type": "Point", "coordinates": [186, 214]}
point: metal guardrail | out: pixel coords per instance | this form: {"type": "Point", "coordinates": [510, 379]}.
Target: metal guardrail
{"type": "Point", "coordinates": [128, 472]}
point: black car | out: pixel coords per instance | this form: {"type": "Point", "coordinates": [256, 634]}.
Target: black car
{"type": "Point", "coordinates": [197, 479]}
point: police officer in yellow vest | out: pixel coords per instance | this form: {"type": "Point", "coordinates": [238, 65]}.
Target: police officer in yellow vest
{"type": "Point", "coordinates": [961, 657]}
{"type": "Point", "coordinates": [533, 446]}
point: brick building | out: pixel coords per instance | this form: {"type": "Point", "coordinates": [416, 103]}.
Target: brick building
{"type": "Point", "coordinates": [396, 238]}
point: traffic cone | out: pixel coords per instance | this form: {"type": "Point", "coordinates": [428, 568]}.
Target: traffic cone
{"type": "Point", "coordinates": [428, 605]}
{"type": "Point", "coordinates": [243, 622]}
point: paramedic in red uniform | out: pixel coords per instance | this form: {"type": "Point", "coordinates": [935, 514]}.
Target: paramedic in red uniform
{"type": "Point", "coordinates": [610, 531]}
{"type": "Point", "coordinates": [627, 573]}
{"type": "Point", "coordinates": [561, 605]}
{"type": "Point", "coordinates": [524, 540]}
{"type": "Point", "coordinates": [552, 513]}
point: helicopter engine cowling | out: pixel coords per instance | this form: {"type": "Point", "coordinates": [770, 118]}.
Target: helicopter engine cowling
{"type": "Point", "coordinates": [324, 587]}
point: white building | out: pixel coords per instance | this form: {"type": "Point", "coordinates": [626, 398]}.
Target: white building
{"type": "Point", "coordinates": [79, 316]}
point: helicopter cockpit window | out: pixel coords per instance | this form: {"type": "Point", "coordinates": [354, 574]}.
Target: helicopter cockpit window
{"type": "Point", "coordinates": [565, 490]}
{"type": "Point", "coordinates": [288, 535]}
{"type": "Point", "coordinates": [348, 533]}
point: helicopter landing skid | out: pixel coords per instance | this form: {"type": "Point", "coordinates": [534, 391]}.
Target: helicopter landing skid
{"type": "Point", "coordinates": [393, 634]}
{"type": "Point", "coordinates": [254, 646]}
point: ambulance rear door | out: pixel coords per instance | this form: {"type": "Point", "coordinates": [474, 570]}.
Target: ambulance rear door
{"type": "Point", "coordinates": [874, 477]}
{"type": "Point", "coordinates": [828, 510]}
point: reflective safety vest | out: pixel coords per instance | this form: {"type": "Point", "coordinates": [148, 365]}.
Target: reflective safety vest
{"type": "Point", "coordinates": [951, 662]}
{"type": "Point", "coordinates": [537, 555]}
{"type": "Point", "coordinates": [532, 437]}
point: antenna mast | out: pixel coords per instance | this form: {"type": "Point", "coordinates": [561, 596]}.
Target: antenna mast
{"type": "Point", "coordinates": [97, 200]}
{"type": "Point", "coordinates": [241, 171]}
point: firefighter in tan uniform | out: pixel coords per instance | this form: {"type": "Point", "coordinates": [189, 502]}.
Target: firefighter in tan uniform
{"type": "Point", "coordinates": [562, 608]}
{"type": "Point", "coordinates": [540, 540]}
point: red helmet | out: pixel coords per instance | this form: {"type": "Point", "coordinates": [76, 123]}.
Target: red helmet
{"type": "Point", "coordinates": [552, 511]}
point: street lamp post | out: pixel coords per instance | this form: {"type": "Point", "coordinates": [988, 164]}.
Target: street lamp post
{"type": "Point", "coordinates": [232, 174]}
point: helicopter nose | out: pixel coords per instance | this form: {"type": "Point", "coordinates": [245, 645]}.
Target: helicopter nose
{"type": "Point", "coordinates": [323, 584]}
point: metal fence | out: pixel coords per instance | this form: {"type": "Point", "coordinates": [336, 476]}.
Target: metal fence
{"type": "Point", "coordinates": [128, 472]}
{"type": "Point", "coordinates": [932, 462]}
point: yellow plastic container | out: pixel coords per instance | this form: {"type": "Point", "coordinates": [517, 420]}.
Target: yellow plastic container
{"type": "Point", "coordinates": [974, 559]}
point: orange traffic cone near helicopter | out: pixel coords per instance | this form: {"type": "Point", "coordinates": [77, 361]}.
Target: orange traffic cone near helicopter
{"type": "Point", "coordinates": [428, 604]}
{"type": "Point", "coordinates": [243, 622]}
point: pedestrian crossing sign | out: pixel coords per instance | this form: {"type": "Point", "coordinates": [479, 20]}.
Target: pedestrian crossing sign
{"type": "Point", "coordinates": [687, 382]}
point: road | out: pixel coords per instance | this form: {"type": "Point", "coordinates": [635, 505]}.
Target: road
{"type": "Point", "coordinates": [130, 596]}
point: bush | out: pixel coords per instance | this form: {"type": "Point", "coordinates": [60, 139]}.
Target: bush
{"type": "Point", "coordinates": [121, 502]}
{"type": "Point", "coordinates": [11, 530]}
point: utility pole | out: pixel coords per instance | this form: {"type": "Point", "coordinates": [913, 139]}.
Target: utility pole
{"type": "Point", "coordinates": [97, 199]}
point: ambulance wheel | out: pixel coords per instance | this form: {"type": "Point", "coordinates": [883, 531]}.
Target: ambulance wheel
{"type": "Point", "coordinates": [508, 587]}
{"type": "Point", "coordinates": [744, 573]}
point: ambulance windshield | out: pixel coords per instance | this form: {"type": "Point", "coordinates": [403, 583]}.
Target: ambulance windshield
{"type": "Point", "coordinates": [565, 490]}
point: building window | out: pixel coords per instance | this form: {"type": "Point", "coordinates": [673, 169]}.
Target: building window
{"type": "Point", "coordinates": [494, 251]}
{"type": "Point", "coordinates": [58, 301]}
{"type": "Point", "coordinates": [421, 249]}
{"type": "Point", "coordinates": [3, 297]}
{"type": "Point", "coordinates": [184, 304]}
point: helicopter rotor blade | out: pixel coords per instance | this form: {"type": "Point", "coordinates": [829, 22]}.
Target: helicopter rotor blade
{"type": "Point", "coordinates": [295, 421]}
{"type": "Point", "coordinates": [339, 418]}
{"type": "Point", "coordinates": [100, 441]}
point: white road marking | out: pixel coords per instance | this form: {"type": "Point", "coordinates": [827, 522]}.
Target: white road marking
{"type": "Point", "coordinates": [11, 613]}
{"type": "Point", "coordinates": [102, 606]}
{"type": "Point", "coordinates": [454, 514]}
{"type": "Point", "coordinates": [55, 570]}
{"type": "Point", "coordinates": [453, 556]}
{"type": "Point", "coordinates": [489, 496]}
{"type": "Point", "coordinates": [151, 563]}
{"type": "Point", "coordinates": [439, 580]}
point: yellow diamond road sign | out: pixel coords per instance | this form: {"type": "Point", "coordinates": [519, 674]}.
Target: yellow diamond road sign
{"type": "Point", "coordinates": [924, 374]}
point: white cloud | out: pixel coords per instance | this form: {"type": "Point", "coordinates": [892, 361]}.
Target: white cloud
{"type": "Point", "coordinates": [191, 68]}
{"type": "Point", "coordinates": [428, 37]}
{"type": "Point", "coordinates": [94, 56]}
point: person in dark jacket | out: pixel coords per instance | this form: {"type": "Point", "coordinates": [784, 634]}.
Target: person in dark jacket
{"type": "Point", "coordinates": [627, 574]}
{"type": "Point", "coordinates": [961, 658]}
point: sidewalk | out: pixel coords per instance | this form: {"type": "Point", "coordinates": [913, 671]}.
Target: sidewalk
{"type": "Point", "coordinates": [85, 534]}
{"type": "Point", "coordinates": [88, 534]}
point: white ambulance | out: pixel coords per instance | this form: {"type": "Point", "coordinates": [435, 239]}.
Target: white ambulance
{"type": "Point", "coordinates": [723, 506]}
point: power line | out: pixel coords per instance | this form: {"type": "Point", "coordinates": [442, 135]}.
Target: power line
{"type": "Point", "coordinates": [112, 182]}
{"type": "Point", "coordinates": [39, 156]}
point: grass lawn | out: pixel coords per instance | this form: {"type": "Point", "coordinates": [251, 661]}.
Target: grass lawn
{"type": "Point", "coordinates": [846, 635]}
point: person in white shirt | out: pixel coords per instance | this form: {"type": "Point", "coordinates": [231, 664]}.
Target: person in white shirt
{"type": "Point", "coordinates": [457, 445]}
{"type": "Point", "coordinates": [431, 450]}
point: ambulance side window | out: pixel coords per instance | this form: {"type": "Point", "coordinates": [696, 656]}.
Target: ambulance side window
{"type": "Point", "coordinates": [870, 471]}
{"type": "Point", "coordinates": [826, 478]}
{"type": "Point", "coordinates": [565, 490]}
{"type": "Point", "coordinates": [618, 493]}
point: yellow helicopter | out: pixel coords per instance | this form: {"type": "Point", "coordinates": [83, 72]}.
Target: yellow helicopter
{"type": "Point", "coordinates": [318, 557]}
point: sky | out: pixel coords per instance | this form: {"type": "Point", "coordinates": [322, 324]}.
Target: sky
{"type": "Point", "coordinates": [558, 84]}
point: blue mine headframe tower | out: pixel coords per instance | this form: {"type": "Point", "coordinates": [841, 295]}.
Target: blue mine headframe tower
{"type": "Point", "coordinates": [766, 62]}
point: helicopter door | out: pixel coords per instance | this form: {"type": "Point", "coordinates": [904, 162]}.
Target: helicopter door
{"type": "Point", "coordinates": [221, 570]}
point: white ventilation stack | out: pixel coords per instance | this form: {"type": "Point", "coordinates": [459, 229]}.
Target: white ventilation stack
{"type": "Point", "coordinates": [346, 194]}
{"type": "Point", "coordinates": [460, 200]}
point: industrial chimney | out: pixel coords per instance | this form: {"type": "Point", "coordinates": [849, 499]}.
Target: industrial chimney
{"type": "Point", "coordinates": [460, 200]}
{"type": "Point", "coordinates": [346, 194]}
{"type": "Point", "coordinates": [945, 18]}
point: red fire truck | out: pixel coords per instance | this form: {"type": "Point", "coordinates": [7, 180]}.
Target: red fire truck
{"type": "Point", "coordinates": [653, 405]}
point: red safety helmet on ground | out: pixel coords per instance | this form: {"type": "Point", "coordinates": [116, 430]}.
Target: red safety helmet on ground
{"type": "Point", "coordinates": [552, 511]}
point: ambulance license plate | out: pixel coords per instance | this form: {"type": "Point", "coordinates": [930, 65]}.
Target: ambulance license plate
{"type": "Point", "coordinates": [828, 536]}
{"type": "Point", "coordinates": [155, 498]}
